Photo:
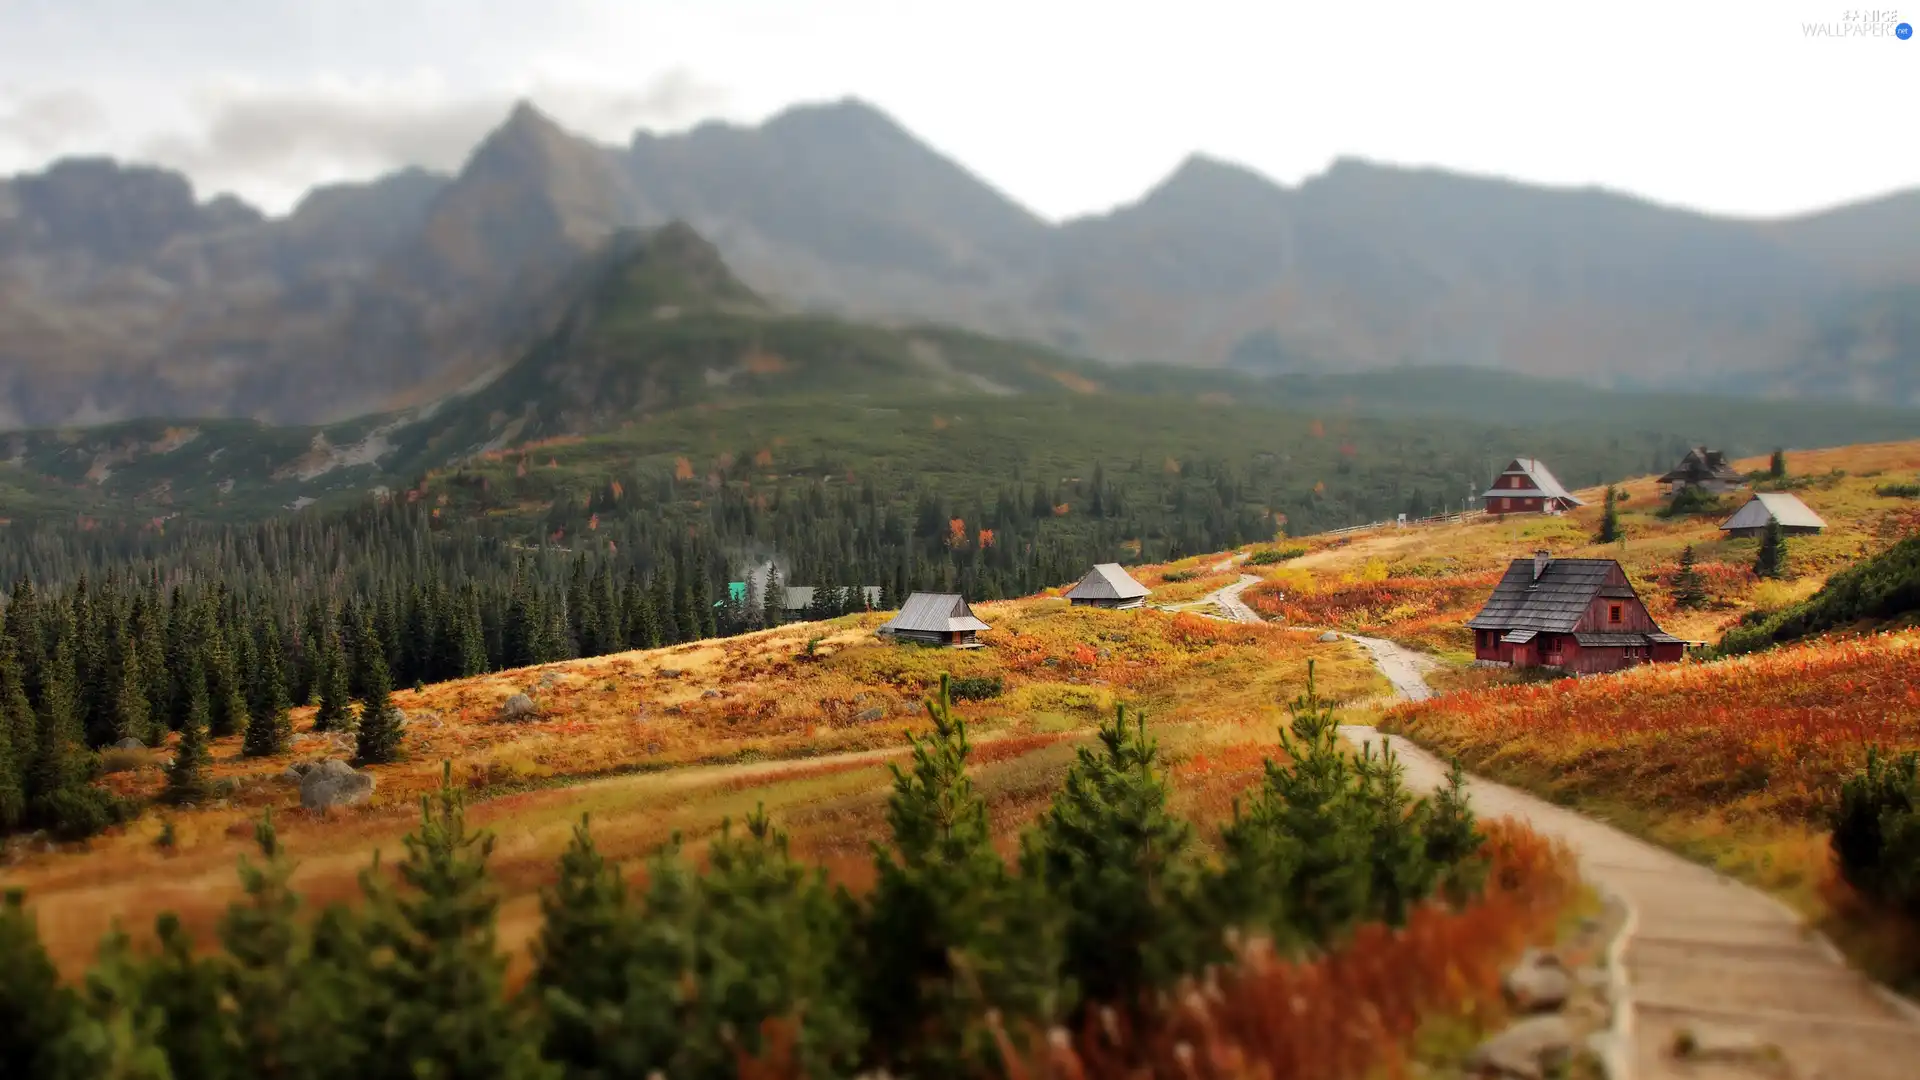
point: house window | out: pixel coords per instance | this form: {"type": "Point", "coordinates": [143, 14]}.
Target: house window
{"type": "Point", "coordinates": [1613, 612]}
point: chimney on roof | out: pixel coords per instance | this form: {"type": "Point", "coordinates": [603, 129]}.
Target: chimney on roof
{"type": "Point", "coordinates": [1540, 560]}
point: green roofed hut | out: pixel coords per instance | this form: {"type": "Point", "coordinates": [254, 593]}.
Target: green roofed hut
{"type": "Point", "coordinates": [935, 619]}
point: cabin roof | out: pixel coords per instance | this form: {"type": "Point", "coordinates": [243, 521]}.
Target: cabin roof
{"type": "Point", "coordinates": [938, 613]}
{"type": "Point", "coordinates": [1107, 581]}
{"type": "Point", "coordinates": [1553, 604]}
{"type": "Point", "coordinates": [1539, 476]}
{"type": "Point", "coordinates": [1701, 463]}
{"type": "Point", "coordinates": [1777, 506]}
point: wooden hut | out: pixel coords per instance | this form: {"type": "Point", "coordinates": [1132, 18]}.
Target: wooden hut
{"type": "Point", "coordinates": [1704, 469]}
{"type": "Point", "coordinates": [937, 619]}
{"type": "Point", "coordinates": [1793, 515]}
{"type": "Point", "coordinates": [1525, 486]}
{"type": "Point", "coordinates": [1580, 615]}
{"type": "Point", "coordinates": [1107, 585]}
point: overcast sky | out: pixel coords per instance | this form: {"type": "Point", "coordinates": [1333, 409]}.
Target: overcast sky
{"type": "Point", "coordinates": [1069, 106]}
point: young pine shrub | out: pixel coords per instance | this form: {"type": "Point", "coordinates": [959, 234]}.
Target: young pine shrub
{"type": "Point", "coordinates": [685, 983]}
{"type": "Point", "coordinates": [1297, 862]}
{"type": "Point", "coordinates": [1124, 871]}
{"type": "Point", "coordinates": [40, 1019]}
{"type": "Point", "coordinates": [1876, 831]}
{"type": "Point", "coordinates": [437, 970]}
{"type": "Point", "coordinates": [949, 931]}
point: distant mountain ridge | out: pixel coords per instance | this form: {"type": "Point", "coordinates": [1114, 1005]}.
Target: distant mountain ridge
{"type": "Point", "coordinates": [121, 295]}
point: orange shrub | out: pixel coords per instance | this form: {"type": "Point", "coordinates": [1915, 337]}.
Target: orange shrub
{"type": "Point", "coordinates": [1775, 732]}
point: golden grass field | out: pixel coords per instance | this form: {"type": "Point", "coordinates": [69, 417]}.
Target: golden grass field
{"type": "Point", "coordinates": [677, 739]}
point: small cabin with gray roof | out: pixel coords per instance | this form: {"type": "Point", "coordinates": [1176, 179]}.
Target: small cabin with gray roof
{"type": "Point", "coordinates": [1107, 586]}
{"type": "Point", "coordinates": [1579, 615]}
{"type": "Point", "coordinates": [935, 619]}
{"type": "Point", "coordinates": [1793, 515]}
{"type": "Point", "coordinates": [1525, 486]}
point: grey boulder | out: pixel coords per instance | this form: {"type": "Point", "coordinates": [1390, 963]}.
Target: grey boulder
{"type": "Point", "coordinates": [334, 783]}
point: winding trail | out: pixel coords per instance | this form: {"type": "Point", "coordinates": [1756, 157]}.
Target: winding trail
{"type": "Point", "coordinates": [1701, 954]}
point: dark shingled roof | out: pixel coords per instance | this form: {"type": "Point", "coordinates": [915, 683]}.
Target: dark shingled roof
{"type": "Point", "coordinates": [1699, 465]}
{"type": "Point", "coordinates": [1551, 605]}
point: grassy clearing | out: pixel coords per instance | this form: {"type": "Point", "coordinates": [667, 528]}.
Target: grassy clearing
{"type": "Point", "coordinates": [679, 738]}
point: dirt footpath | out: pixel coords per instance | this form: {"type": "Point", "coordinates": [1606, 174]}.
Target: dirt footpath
{"type": "Point", "coordinates": [1708, 960]}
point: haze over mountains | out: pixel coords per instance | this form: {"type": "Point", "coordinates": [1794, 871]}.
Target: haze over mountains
{"type": "Point", "coordinates": [122, 295]}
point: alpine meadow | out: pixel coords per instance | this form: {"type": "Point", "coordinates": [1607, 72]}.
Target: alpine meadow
{"type": "Point", "coordinates": [488, 592]}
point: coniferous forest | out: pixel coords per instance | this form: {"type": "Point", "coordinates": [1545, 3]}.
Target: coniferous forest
{"type": "Point", "coordinates": [946, 966]}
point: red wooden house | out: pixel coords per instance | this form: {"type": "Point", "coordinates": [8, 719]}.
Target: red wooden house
{"type": "Point", "coordinates": [1526, 487]}
{"type": "Point", "coordinates": [1580, 615]}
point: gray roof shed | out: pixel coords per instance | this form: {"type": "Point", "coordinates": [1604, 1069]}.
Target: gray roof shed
{"type": "Point", "coordinates": [1107, 581]}
{"type": "Point", "coordinates": [934, 613]}
{"type": "Point", "coordinates": [1778, 506]}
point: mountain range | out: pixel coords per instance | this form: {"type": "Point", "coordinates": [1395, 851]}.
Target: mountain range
{"type": "Point", "coordinates": [124, 295]}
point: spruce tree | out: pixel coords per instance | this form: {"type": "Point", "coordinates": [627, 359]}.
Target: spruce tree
{"type": "Point", "coordinates": [437, 960]}
{"type": "Point", "coordinates": [334, 686]}
{"type": "Point", "coordinates": [773, 598]}
{"type": "Point", "coordinates": [17, 736]}
{"type": "Point", "coordinates": [1453, 838]}
{"type": "Point", "coordinates": [1777, 466]}
{"type": "Point", "coordinates": [661, 603]}
{"type": "Point", "coordinates": [124, 1026]}
{"type": "Point", "coordinates": [1124, 870]}
{"type": "Point", "coordinates": [41, 1022]}
{"type": "Point", "coordinates": [29, 646]}
{"type": "Point", "coordinates": [473, 642]}
{"type": "Point", "coordinates": [189, 992]}
{"type": "Point", "coordinates": [581, 957]}
{"type": "Point", "coordinates": [92, 702]}
{"type": "Point", "coordinates": [131, 716]}
{"type": "Point", "coordinates": [226, 697]}
{"type": "Point", "coordinates": [270, 725]}
{"type": "Point", "coordinates": [261, 937]}
{"type": "Point", "coordinates": [59, 796]}
{"type": "Point", "coordinates": [381, 727]}
{"type": "Point", "coordinates": [950, 931]}
{"type": "Point", "coordinates": [148, 630]}
{"type": "Point", "coordinates": [1402, 875]}
{"type": "Point", "coordinates": [1297, 860]}
{"type": "Point", "coordinates": [1771, 560]}
{"type": "Point", "coordinates": [339, 1020]}
{"type": "Point", "coordinates": [187, 776]}
{"type": "Point", "coordinates": [1689, 591]}
{"type": "Point", "coordinates": [1610, 518]}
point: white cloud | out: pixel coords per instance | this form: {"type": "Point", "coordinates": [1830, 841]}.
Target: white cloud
{"type": "Point", "coordinates": [270, 142]}
{"type": "Point", "coordinates": [48, 122]}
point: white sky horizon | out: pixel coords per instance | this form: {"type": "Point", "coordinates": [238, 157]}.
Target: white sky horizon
{"type": "Point", "coordinates": [1764, 109]}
